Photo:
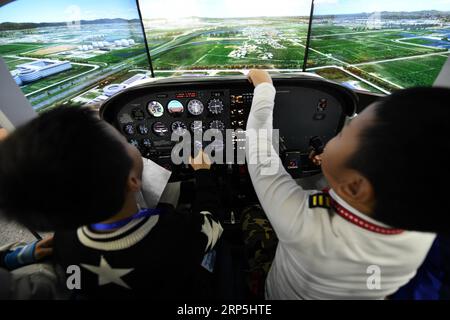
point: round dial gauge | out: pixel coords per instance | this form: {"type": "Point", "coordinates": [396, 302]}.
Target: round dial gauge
{"type": "Point", "coordinates": [155, 109]}
{"type": "Point", "coordinates": [215, 106]}
{"type": "Point", "coordinates": [196, 126]}
{"type": "Point", "coordinates": [134, 142]}
{"type": "Point", "coordinates": [179, 128]}
{"type": "Point", "coordinates": [146, 143]}
{"type": "Point", "coordinates": [217, 125]}
{"type": "Point", "coordinates": [142, 129]}
{"type": "Point", "coordinates": [160, 129]}
{"type": "Point", "coordinates": [195, 107]}
{"type": "Point", "coordinates": [138, 114]}
{"type": "Point", "coordinates": [175, 106]}
{"type": "Point", "coordinates": [129, 129]}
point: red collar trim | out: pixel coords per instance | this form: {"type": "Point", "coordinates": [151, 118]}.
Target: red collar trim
{"type": "Point", "coordinates": [360, 222]}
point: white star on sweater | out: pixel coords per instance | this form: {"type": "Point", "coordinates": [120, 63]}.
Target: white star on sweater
{"type": "Point", "coordinates": [211, 231]}
{"type": "Point", "coordinates": [106, 274]}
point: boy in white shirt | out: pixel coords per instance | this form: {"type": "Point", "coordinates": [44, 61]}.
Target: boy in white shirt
{"type": "Point", "coordinates": [360, 239]}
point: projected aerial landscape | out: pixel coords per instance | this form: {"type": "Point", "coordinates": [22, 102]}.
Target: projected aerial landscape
{"type": "Point", "coordinates": [375, 52]}
{"type": "Point", "coordinates": [92, 59]}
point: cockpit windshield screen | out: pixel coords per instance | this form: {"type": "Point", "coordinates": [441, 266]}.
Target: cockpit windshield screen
{"type": "Point", "coordinates": [223, 37]}
{"type": "Point", "coordinates": [380, 45]}
{"type": "Point", "coordinates": [77, 51]}
{"type": "Point", "coordinates": [82, 52]}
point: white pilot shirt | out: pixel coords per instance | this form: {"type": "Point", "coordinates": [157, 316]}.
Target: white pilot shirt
{"type": "Point", "coordinates": [323, 254]}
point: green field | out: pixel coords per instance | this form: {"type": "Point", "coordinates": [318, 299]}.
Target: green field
{"type": "Point", "coordinates": [409, 73]}
{"type": "Point", "coordinates": [117, 56]}
{"type": "Point", "coordinates": [420, 41]}
{"type": "Point", "coordinates": [214, 55]}
{"type": "Point", "coordinates": [339, 76]}
{"type": "Point", "coordinates": [210, 49]}
{"type": "Point", "coordinates": [181, 57]}
{"type": "Point", "coordinates": [17, 48]}
{"type": "Point", "coordinates": [345, 47]}
{"type": "Point", "coordinates": [13, 62]}
{"type": "Point", "coordinates": [48, 81]}
{"type": "Point", "coordinates": [359, 48]}
{"type": "Point", "coordinates": [159, 74]}
{"type": "Point", "coordinates": [318, 30]}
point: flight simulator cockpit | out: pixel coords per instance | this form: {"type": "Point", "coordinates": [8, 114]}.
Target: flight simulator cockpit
{"type": "Point", "coordinates": [172, 77]}
{"type": "Point", "coordinates": [147, 115]}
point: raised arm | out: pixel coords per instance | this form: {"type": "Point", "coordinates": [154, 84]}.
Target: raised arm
{"type": "Point", "coordinates": [283, 201]}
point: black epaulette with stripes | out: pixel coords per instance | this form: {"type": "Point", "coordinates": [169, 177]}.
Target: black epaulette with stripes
{"type": "Point", "coordinates": [320, 200]}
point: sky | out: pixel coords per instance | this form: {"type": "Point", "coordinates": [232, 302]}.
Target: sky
{"type": "Point", "coordinates": [223, 8]}
{"type": "Point", "coordinates": [358, 6]}
{"type": "Point", "coordinates": [66, 10]}
{"type": "Point", "coordinates": [248, 8]}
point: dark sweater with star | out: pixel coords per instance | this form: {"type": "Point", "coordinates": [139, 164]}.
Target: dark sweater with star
{"type": "Point", "coordinates": [156, 257]}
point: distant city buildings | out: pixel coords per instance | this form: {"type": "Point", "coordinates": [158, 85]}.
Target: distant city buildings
{"type": "Point", "coordinates": [38, 69]}
{"type": "Point", "coordinates": [104, 45]}
{"type": "Point", "coordinates": [261, 39]}
{"type": "Point", "coordinates": [242, 51]}
{"type": "Point", "coordinates": [266, 56]}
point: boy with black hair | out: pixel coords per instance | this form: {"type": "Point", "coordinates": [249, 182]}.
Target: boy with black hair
{"type": "Point", "coordinates": [359, 239]}
{"type": "Point", "coordinates": [71, 172]}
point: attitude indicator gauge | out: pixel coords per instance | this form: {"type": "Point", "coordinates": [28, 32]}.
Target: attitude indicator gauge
{"type": "Point", "coordinates": [195, 107]}
{"type": "Point", "coordinates": [175, 107]}
{"type": "Point", "coordinates": [215, 106]}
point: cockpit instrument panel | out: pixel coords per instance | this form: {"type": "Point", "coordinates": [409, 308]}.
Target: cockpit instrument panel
{"type": "Point", "coordinates": [305, 107]}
